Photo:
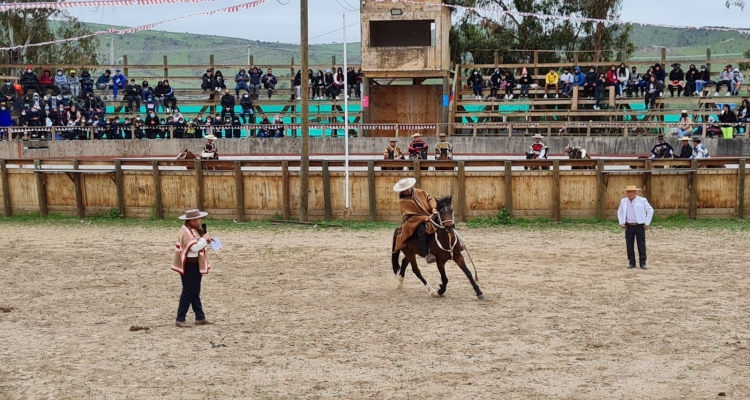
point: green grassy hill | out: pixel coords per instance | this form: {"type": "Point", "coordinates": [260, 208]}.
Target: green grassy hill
{"type": "Point", "coordinates": [149, 47]}
{"type": "Point", "coordinates": [688, 42]}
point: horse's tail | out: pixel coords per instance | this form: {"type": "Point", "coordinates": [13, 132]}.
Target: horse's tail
{"type": "Point", "coordinates": [394, 253]}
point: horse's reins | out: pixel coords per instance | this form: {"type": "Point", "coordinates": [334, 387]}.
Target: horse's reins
{"type": "Point", "coordinates": [454, 240]}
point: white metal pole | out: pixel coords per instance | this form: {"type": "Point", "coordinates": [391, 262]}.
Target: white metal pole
{"type": "Point", "coordinates": [346, 128]}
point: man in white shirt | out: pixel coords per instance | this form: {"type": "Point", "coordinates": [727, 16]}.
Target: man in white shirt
{"type": "Point", "coordinates": [635, 216]}
{"type": "Point", "coordinates": [699, 149]}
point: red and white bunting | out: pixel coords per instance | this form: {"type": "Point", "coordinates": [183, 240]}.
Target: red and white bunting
{"type": "Point", "coordinates": [93, 3]}
{"type": "Point", "coordinates": [142, 28]}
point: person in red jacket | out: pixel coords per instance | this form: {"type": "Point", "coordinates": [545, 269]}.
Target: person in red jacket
{"type": "Point", "coordinates": [47, 82]}
{"type": "Point", "coordinates": [612, 80]}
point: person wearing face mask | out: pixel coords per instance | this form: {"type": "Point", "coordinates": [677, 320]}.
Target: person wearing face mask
{"type": "Point", "coordinates": [236, 131]}
{"type": "Point", "coordinates": [242, 79]}
{"type": "Point", "coordinates": [170, 101]}
{"type": "Point", "coordinates": [146, 91]}
{"type": "Point", "coordinates": [9, 95]}
{"type": "Point", "coordinates": [246, 102]}
{"type": "Point", "coordinates": [47, 82]}
{"type": "Point", "coordinates": [87, 83]}
{"type": "Point", "coordinates": [318, 85]}
{"type": "Point", "coordinates": [704, 77]}
{"type": "Point", "coordinates": [278, 127]}
{"type": "Point", "coordinates": [74, 85]}
{"type": "Point", "coordinates": [36, 101]}
{"type": "Point", "coordinates": [269, 82]}
{"type": "Point", "coordinates": [119, 82]}
{"type": "Point", "coordinates": [104, 83]}
{"type": "Point", "coordinates": [476, 83]}
{"type": "Point", "coordinates": [496, 80]}
{"type": "Point", "coordinates": [297, 85]}
{"type": "Point", "coordinates": [61, 82]}
{"type": "Point", "coordinates": [30, 80]}
{"type": "Point", "coordinates": [227, 104]}
{"type": "Point", "coordinates": [133, 95]}
{"type": "Point", "coordinates": [255, 81]}
{"type": "Point", "coordinates": [264, 131]}
{"type": "Point", "coordinates": [137, 128]}
{"type": "Point", "coordinates": [524, 82]}
{"type": "Point", "coordinates": [152, 123]}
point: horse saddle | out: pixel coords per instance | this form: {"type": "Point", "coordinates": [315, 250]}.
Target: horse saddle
{"type": "Point", "coordinates": [207, 155]}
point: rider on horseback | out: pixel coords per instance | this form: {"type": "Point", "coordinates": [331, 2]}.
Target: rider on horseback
{"type": "Point", "coordinates": [417, 147]}
{"type": "Point", "coordinates": [393, 152]}
{"type": "Point", "coordinates": [662, 149]}
{"type": "Point", "coordinates": [537, 150]}
{"type": "Point", "coordinates": [209, 150]}
{"type": "Point", "coordinates": [686, 151]}
{"type": "Point", "coordinates": [417, 208]}
{"type": "Point", "coordinates": [443, 144]}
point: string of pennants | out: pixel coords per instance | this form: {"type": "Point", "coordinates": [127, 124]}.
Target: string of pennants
{"type": "Point", "coordinates": [115, 31]}
{"type": "Point", "coordinates": [547, 17]}
{"type": "Point", "coordinates": [59, 5]}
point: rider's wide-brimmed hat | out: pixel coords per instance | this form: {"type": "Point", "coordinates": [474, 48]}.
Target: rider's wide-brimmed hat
{"type": "Point", "coordinates": [441, 134]}
{"type": "Point", "coordinates": [538, 136]}
{"type": "Point", "coordinates": [684, 111]}
{"type": "Point", "coordinates": [393, 139]}
{"type": "Point", "coordinates": [192, 214]}
{"type": "Point", "coordinates": [416, 135]}
{"type": "Point", "coordinates": [685, 138]}
{"type": "Point", "coordinates": [211, 137]}
{"type": "Point", "coordinates": [404, 184]}
{"type": "Point", "coordinates": [632, 188]}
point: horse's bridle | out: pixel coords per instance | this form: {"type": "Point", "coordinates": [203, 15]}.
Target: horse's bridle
{"type": "Point", "coordinates": [452, 237]}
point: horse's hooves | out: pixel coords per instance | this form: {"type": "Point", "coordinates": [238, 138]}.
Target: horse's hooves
{"type": "Point", "coordinates": [435, 295]}
{"type": "Point", "coordinates": [480, 297]}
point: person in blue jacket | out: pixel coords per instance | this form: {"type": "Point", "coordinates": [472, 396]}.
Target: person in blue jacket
{"type": "Point", "coordinates": [579, 78]}
{"type": "Point", "coordinates": [104, 82]}
{"type": "Point", "coordinates": [119, 82]}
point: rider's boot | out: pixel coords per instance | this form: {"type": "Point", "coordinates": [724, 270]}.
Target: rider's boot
{"type": "Point", "coordinates": [425, 244]}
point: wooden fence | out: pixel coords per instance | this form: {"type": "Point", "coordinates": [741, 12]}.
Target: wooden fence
{"type": "Point", "coordinates": [245, 190]}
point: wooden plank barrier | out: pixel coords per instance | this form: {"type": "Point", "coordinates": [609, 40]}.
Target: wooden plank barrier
{"type": "Point", "coordinates": [166, 188]}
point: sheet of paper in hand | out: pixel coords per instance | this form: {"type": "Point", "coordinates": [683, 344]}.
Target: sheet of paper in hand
{"type": "Point", "coordinates": [216, 244]}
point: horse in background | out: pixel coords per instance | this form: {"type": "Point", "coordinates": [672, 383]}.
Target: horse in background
{"type": "Point", "coordinates": [578, 153]}
{"type": "Point", "coordinates": [444, 244]}
{"type": "Point", "coordinates": [444, 157]}
{"type": "Point", "coordinates": [186, 154]}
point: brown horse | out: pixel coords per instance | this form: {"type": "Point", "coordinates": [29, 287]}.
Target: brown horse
{"type": "Point", "coordinates": [444, 157]}
{"type": "Point", "coordinates": [186, 154]}
{"type": "Point", "coordinates": [577, 153]}
{"type": "Point", "coordinates": [445, 245]}
{"type": "Point", "coordinates": [421, 155]}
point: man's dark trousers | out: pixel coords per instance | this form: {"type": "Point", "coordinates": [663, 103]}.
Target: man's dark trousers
{"type": "Point", "coordinates": [635, 233]}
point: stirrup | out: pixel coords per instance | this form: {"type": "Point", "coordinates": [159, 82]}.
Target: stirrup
{"type": "Point", "coordinates": [430, 258]}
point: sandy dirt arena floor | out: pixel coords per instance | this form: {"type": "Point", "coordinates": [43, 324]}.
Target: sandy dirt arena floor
{"type": "Point", "coordinates": [316, 314]}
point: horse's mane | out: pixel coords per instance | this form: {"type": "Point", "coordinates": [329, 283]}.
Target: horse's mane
{"type": "Point", "coordinates": [445, 201]}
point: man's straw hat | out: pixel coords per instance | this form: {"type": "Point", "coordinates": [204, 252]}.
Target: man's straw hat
{"type": "Point", "coordinates": [393, 139]}
{"type": "Point", "coordinates": [416, 135]}
{"type": "Point", "coordinates": [404, 184]}
{"type": "Point", "coordinates": [192, 214]}
{"type": "Point", "coordinates": [538, 136]}
{"type": "Point", "coordinates": [631, 188]}
{"type": "Point", "coordinates": [441, 134]}
{"type": "Point", "coordinates": [212, 137]}
{"type": "Point", "coordinates": [685, 139]}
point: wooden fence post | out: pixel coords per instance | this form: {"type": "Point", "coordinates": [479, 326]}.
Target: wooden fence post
{"type": "Point", "coordinates": [663, 59]}
{"type": "Point", "coordinates": [158, 207]}
{"type": "Point", "coordinates": [536, 62]}
{"type": "Point", "coordinates": [286, 208]}
{"type": "Point", "coordinates": [239, 188]}
{"type": "Point", "coordinates": [125, 65]}
{"type": "Point", "coordinates": [119, 188]}
{"type": "Point", "coordinates": [600, 189]}
{"type": "Point", "coordinates": [78, 191]}
{"type": "Point", "coordinates": [693, 199]}
{"type": "Point", "coordinates": [647, 179]}
{"type": "Point", "coordinates": [708, 61]}
{"type": "Point", "coordinates": [509, 187]}
{"type": "Point", "coordinates": [199, 185]}
{"type": "Point", "coordinates": [461, 191]}
{"type": "Point", "coordinates": [166, 69]}
{"type": "Point", "coordinates": [740, 213]}
{"type": "Point", "coordinates": [417, 172]}
{"type": "Point", "coordinates": [556, 213]}
{"type": "Point", "coordinates": [327, 192]}
{"type": "Point", "coordinates": [40, 191]}
{"type": "Point", "coordinates": [6, 188]}
{"type": "Point", "coordinates": [371, 190]}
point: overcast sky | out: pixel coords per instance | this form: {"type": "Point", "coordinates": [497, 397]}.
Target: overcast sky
{"type": "Point", "coordinates": [274, 21]}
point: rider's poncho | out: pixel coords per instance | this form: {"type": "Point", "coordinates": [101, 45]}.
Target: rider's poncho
{"type": "Point", "coordinates": [415, 210]}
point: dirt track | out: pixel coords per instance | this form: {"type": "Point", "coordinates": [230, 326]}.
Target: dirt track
{"type": "Point", "coordinates": [317, 315]}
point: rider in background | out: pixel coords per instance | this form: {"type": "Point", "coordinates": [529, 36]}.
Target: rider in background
{"type": "Point", "coordinates": [443, 144]}
{"type": "Point", "coordinates": [660, 146]}
{"type": "Point", "coordinates": [416, 147]}
{"type": "Point", "coordinates": [686, 151]}
{"type": "Point", "coordinates": [537, 150]}
{"type": "Point", "coordinates": [393, 150]}
{"type": "Point", "coordinates": [209, 150]}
